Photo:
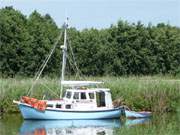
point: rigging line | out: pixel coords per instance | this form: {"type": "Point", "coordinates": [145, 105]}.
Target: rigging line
{"type": "Point", "coordinates": [39, 69]}
{"type": "Point", "coordinates": [50, 89]}
{"type": "Point", "coordinates": [72, 65]}
{"type": "Point", "coordinates": [45, 63]}
{"type": "Point", "coordinates": [75, 63]}
{"type": "Point", "coordinates": [70, 68]}
{"type": "Point", "coordinates": [76, 69]}
{"type": "Point", "coordinates": [71, 50]}
{"type": "Point", "coordinates": [41, 65]}
{"type": "Point", "coordinates": [46, 58]}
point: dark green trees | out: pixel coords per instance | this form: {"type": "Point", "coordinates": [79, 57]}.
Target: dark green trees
{"type": "Point", "coordinates": [122, 49]}
{"type": "Point", "coordinates": [14, 41]}
{"type": "Point", "coordinates": [43, 33]}
{"type": "Point", "coordinates": [25, 42]}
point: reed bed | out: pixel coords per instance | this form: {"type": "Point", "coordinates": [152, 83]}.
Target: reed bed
{"type": "Point", "coordinates": [156, 94]}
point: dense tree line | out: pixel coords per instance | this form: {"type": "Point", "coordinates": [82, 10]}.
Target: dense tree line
{"type": "Point", "coordinates": [121, 49]}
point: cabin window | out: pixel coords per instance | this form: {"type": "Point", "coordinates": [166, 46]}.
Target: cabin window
{"type": "Point", "coordinates": [91, 95]}
{"type": "Point", "coordinates": [68, 95]}
{"type": "Point", "coordinates": [68, 106]}
{"type": "Point", "coordinates": [83, 95]}
{"type": "Point", "coordinates": [58, 105]}
{"type": "Point", "coordinates": [76, 95]}
{"type": "Point", "coordinates": [50, 105]}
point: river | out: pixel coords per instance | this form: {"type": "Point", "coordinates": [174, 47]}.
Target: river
{"type": "Point", "coordinates": [13, 124]}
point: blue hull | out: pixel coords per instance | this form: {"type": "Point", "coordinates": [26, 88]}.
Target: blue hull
{"type": "Point", "coordinates": [31, 113]}
{"type": "Point", "coordinates": [133, 114]}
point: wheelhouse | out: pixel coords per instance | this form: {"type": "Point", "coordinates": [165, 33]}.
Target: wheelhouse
{"type": "Point", "coordinates": [93, 98]}
{"type": "Point", "coordinates": [83, 99]}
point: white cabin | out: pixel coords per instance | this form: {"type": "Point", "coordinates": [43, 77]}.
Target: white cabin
{"type": "Point", "coordinates": [83, 99]}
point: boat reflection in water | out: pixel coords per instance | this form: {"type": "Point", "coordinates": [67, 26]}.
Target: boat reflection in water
{"type": "Point", "coordinates": [136, 122]}
{"type": "Point", "coordinates": [69, 127]}
{"type": "Point", "coordinates": [79, 127]}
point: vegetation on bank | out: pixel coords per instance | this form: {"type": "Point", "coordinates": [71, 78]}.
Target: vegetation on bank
{"type": "Point", "coordinates": [122, 49]}
{"type": "Point", "coordinates": [157, 94]}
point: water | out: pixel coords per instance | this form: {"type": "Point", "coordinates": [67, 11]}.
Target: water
{"type": "Point", "coordinates": [165, 124]}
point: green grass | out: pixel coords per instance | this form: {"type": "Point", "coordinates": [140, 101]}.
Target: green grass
{"type": "Point", "coordinates": [147, 93]}
{"type": "Point", "coordinates": [154, 93]}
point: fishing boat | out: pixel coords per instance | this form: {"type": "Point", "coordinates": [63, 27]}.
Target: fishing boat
{"type": "Point", "coordinates": [81, 99]}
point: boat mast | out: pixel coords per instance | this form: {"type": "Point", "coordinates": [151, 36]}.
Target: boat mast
{"type": "Point", "coordinates": [64, 49]}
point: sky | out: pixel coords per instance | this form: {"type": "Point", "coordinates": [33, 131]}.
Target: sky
{"type": "Point", "coordinates": [101, 13]}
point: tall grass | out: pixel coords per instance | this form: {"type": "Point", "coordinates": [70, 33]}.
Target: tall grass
{"type": "Point", "coordinates": [13, 89]}
{"type": "Point", "coordinates": [146, 93]}
{"type": "Point", "coordinates": [157, 94]}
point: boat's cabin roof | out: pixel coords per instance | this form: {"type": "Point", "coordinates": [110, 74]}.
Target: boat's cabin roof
{"type": "Point", "coordinates": [88, 90]}
{"type": "Point", "coordinates": [79, 83]}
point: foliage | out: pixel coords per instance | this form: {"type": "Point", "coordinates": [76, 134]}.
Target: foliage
{"type": "Point", "coordinates": [122, 49]}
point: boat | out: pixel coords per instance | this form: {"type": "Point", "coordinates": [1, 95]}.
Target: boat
{"type": "Point", "coordinates": [133, 114]}
{"type": "Point", "coordinates": [80, 99]}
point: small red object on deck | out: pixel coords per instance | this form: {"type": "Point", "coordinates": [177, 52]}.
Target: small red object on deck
{"type": "Point", "coordinates": [37, 104]}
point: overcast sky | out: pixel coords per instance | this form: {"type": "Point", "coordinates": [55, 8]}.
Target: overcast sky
{"type": "Point", "coordinates": [101, 13]}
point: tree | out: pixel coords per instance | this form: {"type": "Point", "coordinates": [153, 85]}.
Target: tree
{"type": "Point", "coordinates": [14, 41]}
{"type": "Point", "coordinates": [122, 49]}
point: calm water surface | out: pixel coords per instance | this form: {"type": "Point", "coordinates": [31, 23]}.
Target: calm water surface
{"type": "Point", "coordinates": [13, 124]}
